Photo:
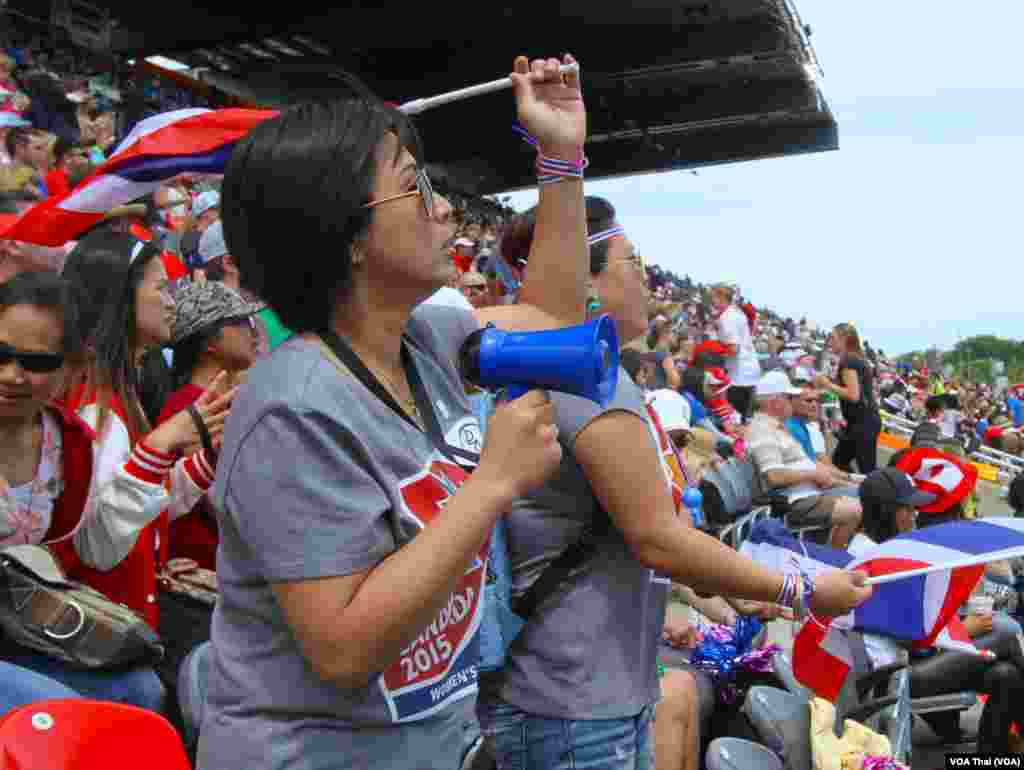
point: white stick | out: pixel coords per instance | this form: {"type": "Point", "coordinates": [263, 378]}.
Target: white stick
{"type": "Point", "coordinates": [416, 106]}
{"type": "Point", "coordinates": [968, 561]}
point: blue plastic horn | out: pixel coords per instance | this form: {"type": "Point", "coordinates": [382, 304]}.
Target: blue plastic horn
{"type": "Point", "coordinates": [581, 360]}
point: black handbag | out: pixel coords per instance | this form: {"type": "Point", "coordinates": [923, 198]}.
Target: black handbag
{"type": "Point", "coordinates": [41, 609]}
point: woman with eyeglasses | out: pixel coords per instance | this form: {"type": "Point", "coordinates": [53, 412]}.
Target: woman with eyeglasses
{"type": "Point", "coordinates": [352, 539]}
{"type": "Point", "coordinates": [47, 494]}
{"type": "Point", "coordinates": [582, 681]}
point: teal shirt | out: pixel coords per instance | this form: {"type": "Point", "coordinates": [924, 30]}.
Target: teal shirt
{"type": "Point", "coordinates": [798, 430]}
{"type": "Point", "coordinates": [277, 332]}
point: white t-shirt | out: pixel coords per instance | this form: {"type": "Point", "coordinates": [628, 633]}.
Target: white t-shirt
{"type": "Point", "coordinates": [733, 329]}
{"type": "Point", "coordinates": [880, 650]}
{"type": "Point", "coordinates": [446, 296]}
{"type": "Point", "coordinates": [950, 419]}
{"type": "Point", "coordinates": [817, 438]}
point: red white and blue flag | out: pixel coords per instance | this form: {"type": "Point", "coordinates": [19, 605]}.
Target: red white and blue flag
{"type": "Point", "coordinates": [921, 609]}
{"type": "Point", "coordinates": [157, 150]}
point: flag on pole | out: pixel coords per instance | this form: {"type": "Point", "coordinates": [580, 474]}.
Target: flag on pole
{"type": "Point", "coordinates": [157, 150]}
{"type": "Point", "coordinates": [921, 609]}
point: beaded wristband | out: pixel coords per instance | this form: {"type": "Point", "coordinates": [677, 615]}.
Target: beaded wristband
{"type": "Point", "coordinates": [552, 170]}
{"type": "Point", "coordinates": [808, 592]}
{"type": "Point", "coordinates": [788, 593]}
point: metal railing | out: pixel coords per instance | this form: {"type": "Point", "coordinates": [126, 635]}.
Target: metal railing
{"type": "Point", "coordinates": [1007, 465]}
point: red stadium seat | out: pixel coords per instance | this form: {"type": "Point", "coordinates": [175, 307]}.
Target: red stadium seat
{"type": "Point", "coordinates": [79, 734]}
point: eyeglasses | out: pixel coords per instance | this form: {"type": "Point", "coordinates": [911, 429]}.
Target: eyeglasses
{"type": "Point", "coordinates": [37, 363]}
{"type": "Point", "coordinates": [423, 188]}
{"type": "Point", "coordinates": [638, 262]}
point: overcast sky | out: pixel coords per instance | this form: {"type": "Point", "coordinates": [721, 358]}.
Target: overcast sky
{"type": "Point", "coordinates": [912, 229]}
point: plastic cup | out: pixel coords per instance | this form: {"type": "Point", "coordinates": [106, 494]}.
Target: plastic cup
{"type": "Point", "coordinates": [980, 605]}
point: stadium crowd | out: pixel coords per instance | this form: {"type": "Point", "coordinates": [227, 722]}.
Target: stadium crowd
{"type": "Point", "coordinates": [168, 346]}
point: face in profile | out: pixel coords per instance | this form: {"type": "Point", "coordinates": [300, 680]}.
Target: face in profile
{"type": "Point", "coordinates": [237, 345]}
{"type": "Point", "coordinates": [406, 243]}
{"type": "Point", "coordinates": [154, 306]}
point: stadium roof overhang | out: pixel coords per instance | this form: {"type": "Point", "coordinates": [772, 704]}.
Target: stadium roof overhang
{"type": "Point", "coordinates": [668, 85]}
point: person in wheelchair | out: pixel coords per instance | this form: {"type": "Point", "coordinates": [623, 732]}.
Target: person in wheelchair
{"type": "Point", "coordinates": [889, 499]}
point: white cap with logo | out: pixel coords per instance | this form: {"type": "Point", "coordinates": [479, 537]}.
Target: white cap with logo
{"type": "Point", "coordinates": [776, 384]}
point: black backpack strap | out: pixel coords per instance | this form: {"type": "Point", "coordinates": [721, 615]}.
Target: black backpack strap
{"type": "Point", "coordinates": [557, 571]}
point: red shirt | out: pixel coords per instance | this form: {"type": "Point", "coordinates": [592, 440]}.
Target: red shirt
{"type": "Point", "coordinates": [194, 535]}
{"type": "Point", "coordinates": [133, 580]}
{"type": "Point", "coordinates": [993, 433]}
{"type": "Point", "coordinates": [464, 263]}
{"type": "Point", "coordinates": [57, 182]}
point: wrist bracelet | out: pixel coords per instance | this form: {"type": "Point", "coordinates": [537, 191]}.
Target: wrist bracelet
{"type": "Point", "coordinates": [552, 170]}
{"type": "Point", "coordinates": [808, 592]}
{"type": "Point", "coordinates": [788, 594]}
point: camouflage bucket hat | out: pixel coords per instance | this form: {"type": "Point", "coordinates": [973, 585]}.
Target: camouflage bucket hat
{"type": "Point", "coordinates": [201, 305]}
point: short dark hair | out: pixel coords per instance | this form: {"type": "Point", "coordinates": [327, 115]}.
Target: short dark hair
{"type": "Point", "coordinates": [293, 199]}
{"type": "Point", "coordinates": [517, 238]}
{"type": "Point", "coordinates": [61, 148]}
{"type": "Point", "coordinates": [633, 362]}
{"type": "Point", "coordinates": [935, 404]}
{"type": "Point", "coordinates": [879, 519]}
{"type": "Point", "coordinates": [188, 351]}
{"type": "Point", "coordinates": [214, 269]}
{"type": "Point", "coordinates": [1015, 494]}
{"type": "Point", "coordinates": [50, 292]}
{"type": "Point", "coordinates": [18, 137]}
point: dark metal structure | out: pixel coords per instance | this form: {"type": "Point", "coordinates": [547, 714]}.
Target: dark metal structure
{"type": "Point", "coordinates": [669, 84]}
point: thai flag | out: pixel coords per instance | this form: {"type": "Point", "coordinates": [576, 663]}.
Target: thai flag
{"type": "Point", "coordinates": [157, 150]}
{"type": "Point", "coordinates": [921, 610]}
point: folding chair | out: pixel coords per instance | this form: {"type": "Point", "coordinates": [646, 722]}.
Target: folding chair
{"type": "Point", "coordinates": [783, 719]}
{"type": "Point", "coordinates": [736, 493]}
{"type": "Point", "coordinates": [81, 734]}
{"type": "Point", "coordinates": [738, 754]}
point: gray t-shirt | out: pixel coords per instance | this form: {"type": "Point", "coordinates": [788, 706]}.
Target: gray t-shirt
{"type": "Point", "coordinates": [590, 651]}
{"type": "Point", "coordinates": [319, 478]}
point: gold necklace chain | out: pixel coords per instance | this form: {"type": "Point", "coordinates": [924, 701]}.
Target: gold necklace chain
{"type": "Point", "coordinates": [409, 402]}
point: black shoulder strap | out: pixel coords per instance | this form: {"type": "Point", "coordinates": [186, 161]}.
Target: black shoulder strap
{"type": "Point", "coordinates": [433, 429]}
{"type": "Point", "coordinates": [557, 571]}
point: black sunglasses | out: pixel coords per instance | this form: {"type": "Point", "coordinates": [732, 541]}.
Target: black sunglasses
{"type": "Point", "coordinates": [31, 362]}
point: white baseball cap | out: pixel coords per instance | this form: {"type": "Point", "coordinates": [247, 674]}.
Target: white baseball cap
{"type": "Point", "coordinates": [803, 374]}
{"type": "Point", "coordinates": [204, 202]}
{"type": "Point", "coordinates": [673, 410]}
{"type": "Point", "coordinates": [776, 383]}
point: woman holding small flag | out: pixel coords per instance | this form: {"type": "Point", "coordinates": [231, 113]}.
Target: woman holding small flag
{"type": "Point", "coordinates": [890, 499]}
{"type": "Point", "coordinates": [580, 685]}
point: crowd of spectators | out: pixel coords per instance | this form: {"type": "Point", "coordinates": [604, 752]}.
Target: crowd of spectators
{"type": "Point", "coordinates": [124, 351]}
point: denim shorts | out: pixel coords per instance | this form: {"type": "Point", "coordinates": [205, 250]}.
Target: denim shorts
{"type": "Point", "coordinates": [521, 741]}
